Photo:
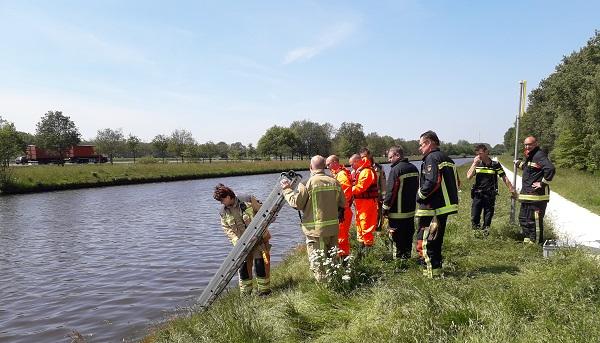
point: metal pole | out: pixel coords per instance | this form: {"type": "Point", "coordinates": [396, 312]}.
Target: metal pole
{"type": "Point", "coordinates": [522, 94]}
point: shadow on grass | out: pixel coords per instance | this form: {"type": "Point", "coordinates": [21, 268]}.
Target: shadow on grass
{"type": "Point", "coordinates": [302, 325]}
{"type": "Point", "coordinates": [286, 283]}
{"type": "Point", "coordinates": [496, 269]}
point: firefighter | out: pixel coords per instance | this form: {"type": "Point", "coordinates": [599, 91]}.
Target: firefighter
{"type": "Point", "coordinates": [322, 203]}
{"type": "Point", "coordinates": [236, 214]}
{"type": "Point", "coordinates": [538, 172]}
{"type": "Point", "coordinates": [485, 188]}
{"type": "Point", "coordinates": [366, 197]}
{"type": "Point", "coordinates": [342, 175]}
{"type": "Point", "coordinates": [399, 203]}
{"type": "Point", "coordinates": [437, 198]}
{"type": "Point", "coordinates": [381, 183]}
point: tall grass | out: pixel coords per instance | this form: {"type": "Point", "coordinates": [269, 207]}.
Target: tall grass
{"type": "Point", "coordinates": [495, 290]}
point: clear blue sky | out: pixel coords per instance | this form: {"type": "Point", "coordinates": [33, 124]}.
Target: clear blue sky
{"type": "Point", "coordinates": [227, 71]}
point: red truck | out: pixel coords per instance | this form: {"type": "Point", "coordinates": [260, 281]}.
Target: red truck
{"type": "Point", "coordinates": [74, 154]}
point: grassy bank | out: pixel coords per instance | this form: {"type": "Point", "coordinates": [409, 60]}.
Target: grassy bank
{"type": "Point", "coordinates": [495, 290]}
{"type": "Point", "coordinates": [29, 179]}
{"type": "Point", "coordinates": [578, 186]}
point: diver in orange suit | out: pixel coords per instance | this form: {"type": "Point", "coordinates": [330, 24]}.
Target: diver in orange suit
{"type": "Point", "coordinates": [366, 197]}
{"type": "Point", "coordinates": [342, 175]}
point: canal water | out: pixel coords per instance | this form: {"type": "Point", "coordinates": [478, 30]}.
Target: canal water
{"type": "Point", "coordinates": [111, 262]}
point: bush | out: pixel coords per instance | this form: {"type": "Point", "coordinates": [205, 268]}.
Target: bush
{"type": "Point", "coordinates": [5, 178]}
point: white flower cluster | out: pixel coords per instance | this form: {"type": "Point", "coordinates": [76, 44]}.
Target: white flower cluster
{"type": "Point", "coordinates": [336, 272]}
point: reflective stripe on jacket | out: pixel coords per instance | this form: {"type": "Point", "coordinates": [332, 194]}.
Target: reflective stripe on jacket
{"type": "Point", "coordinates": [319, 201]}
{"type": "Point", "coordinates": [438, 185]}
{"type": "Point", "coordinates": [486, 177]}
{"type": "Point", "coordinates": [402, 186]}
{"type": "Point", "coordinates": [536, 168]}
{"type": "Point", "coordinates": [236, 218]}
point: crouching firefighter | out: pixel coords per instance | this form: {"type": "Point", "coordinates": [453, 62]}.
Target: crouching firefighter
{"type": "Point", "coordinates": [437, 197]}
{"type": "Point", "coordinates": [236, 215]}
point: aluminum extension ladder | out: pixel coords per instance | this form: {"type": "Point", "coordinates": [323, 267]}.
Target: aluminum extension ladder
{"type": "Point", "coordinates": [265, 216]}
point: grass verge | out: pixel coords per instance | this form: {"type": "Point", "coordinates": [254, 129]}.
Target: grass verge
{"type": "Point", "coordinates": [495, 290]}
{"type": "Point", "coordinates": [28, 179]}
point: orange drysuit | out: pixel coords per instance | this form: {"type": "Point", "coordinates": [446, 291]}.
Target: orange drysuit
{"type": "Point", "coordinates": [366, 195]}
{"type": "Point", "coordinates": [342, 175]}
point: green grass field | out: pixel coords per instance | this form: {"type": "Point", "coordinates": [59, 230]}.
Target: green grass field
{"type": "Point", "coordinates": [53, 177]}
{"type": "Point", "coordinates": [495, 290]}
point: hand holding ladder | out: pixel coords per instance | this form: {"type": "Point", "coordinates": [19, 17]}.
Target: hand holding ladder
{"type": "Point", "coordinates": [244, 245]}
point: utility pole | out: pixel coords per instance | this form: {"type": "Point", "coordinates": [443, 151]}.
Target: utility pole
{"type": "Point", "coordinates": [522, 100]}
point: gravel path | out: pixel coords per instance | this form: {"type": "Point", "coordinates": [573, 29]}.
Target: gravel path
{"type": "Point", "coordinates": [572, 223]}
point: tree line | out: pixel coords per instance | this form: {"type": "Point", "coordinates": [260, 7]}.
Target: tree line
{"type": "Point", "coordinates": [564, 111]}
{"type": "Point", "coordinates": [56, 132]}
{"type": "Point", "coordinates": [305, 138]}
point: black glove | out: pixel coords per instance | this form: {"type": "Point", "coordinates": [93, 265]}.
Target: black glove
{"type": "Point", "coordinates": [386, 212]}
{"type": "Point", "coordinates": [341, 214]}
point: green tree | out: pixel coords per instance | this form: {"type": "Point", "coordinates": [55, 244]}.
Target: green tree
{"type": "Point", "coordinates": [377, 144]}
{"type": "Point", "coordinates": [278, 141]}
{"type": "Point", "coordinates": [313, 138]}
{"type": "Point", "coordinates": [498, 149]}
{"type": "Point", "coordinates": [251, 151]}
{"type": "Point", "coordinates": [349, 138]}
{"type": "Point", "coordinates": [563, 112]}
{"type": "Point", "coordinates": [10, 143]}
{"type": "Point", "coordinates": [133, 143]}
{"type": "Point", "coordinates": [592, 141]}
{"type": "Point", "coordinates": [25, 139]}
{"type": "Point", "coordinates": [388, 141]}
{"type": "Point", "coordinates": [208, 150]}
{"type": "Point", "coordinates": [191, 150]}
{"type": "Point", "coordinates": [10, 146]}
{"type": "Point", "coordinates": [56, 132]}
{"type": "Point", "coordinates": [509, 140]}
{"type": "Point", "coordinates": [110, 142]}
{"type": "Point", "coordinates": [463, 147]}
{"type": "Point", "coordinates": [180, 141]}
{"type": "Point", "coordinates": [449, 148]}
{"type": "Point", "coordinates": [411, 148]}
{"type": "Point", "coordinates": [161, 144]}
{"type": "Point", "coordinates": [223, 150]}
{"type": "Point", "coordinates": [237, 150]}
